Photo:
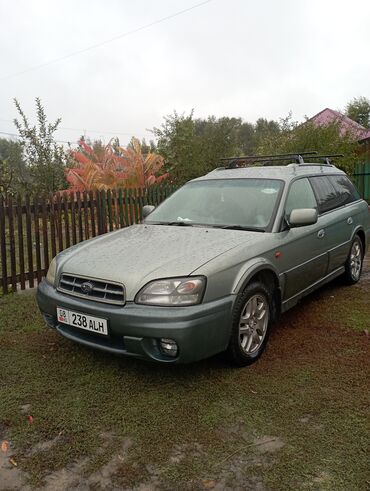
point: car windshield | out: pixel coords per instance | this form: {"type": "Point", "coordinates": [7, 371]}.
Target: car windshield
{"type": "Point", "coordinates": [228, 203]}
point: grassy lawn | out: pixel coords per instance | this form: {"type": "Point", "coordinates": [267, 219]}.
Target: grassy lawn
{"type": "Point", "coordinates": [297, 419]}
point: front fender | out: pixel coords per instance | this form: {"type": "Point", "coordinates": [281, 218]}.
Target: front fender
{"type": "Point", "coordinates": [251, 268]}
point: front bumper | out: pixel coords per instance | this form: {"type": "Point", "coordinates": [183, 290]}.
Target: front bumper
{"type": "Point", "coordinates": [134, 330]}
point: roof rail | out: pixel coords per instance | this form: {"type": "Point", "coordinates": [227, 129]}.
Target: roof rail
{"type": "Point", "coordinates": [266, 158]}
{"type": "Point", "coordinates": [326, 158]}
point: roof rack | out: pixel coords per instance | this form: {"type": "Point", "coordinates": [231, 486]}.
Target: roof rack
{"type": "Point", "coordinates": [266, 158]}
{"type": "Point", "coordinates": [300, 158]}
{"type": "Point", "coordinates": [326, 158]}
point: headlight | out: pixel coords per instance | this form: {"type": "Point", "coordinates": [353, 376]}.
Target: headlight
{"type": "Point", "coordinates": [52, 271]}
{"type": "Point", "coordinates": [173, 291]}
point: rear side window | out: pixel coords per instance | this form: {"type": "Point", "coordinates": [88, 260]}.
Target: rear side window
{"type": "Point", "coordinates": [326, 195]}
{"type": "Point", "coordinates": [345, 189]}
{"type": "Point", "coordinates": [300, 196]}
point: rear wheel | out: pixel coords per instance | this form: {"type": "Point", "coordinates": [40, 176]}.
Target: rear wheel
{"type": "Point", "coordinates": [353, 266]}
{"type": "Point", "coordinates": [251, 324]}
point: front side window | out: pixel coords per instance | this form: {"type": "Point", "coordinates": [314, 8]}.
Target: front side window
{"type": "Point", "coordinates": [300, 196]}
{"type": "Point", "coordinates": [228, 203]}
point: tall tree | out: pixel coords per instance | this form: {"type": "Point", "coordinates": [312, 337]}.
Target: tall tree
{"type": "Point", "coordinates": [294, 137]}
{"type": "Point", "coordinates": [192, 147]}
{"type": "Point", "coordinates": [14, 177]}
{"type": "Point", "coordinates": [45, 159]}
{"type": "Point", "coordinates": [358, 109]}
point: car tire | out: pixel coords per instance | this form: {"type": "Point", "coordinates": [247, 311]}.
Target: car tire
{"type": "Point", "coordinates": [251, 324]}
{"type": "Point", "coordinates": [353, 265]}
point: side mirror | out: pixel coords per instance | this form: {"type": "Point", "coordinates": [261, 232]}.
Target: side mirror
{"type": "Point", "coordinates": [147, 209]}
{"type": "Point", "coordinates": [302, 216]}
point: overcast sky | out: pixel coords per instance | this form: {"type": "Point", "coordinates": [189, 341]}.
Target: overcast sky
{"type": "Point", "coordinates": [244, 58]}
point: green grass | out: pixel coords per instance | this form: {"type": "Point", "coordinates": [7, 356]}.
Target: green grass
{"type": "Point", "coordinates": [184, 425]}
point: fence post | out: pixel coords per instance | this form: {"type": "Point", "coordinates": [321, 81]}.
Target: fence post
{"type": "Point", "coordinates": [37, 237]}
{"type": "Point", "coordinates": [20, 242]}
{"type": "Point", "coordinates": [13, 264]}
{"type": "Point", "coordinates": [4, 268]}
{"type": "Point", "coordinates": [45, 236]}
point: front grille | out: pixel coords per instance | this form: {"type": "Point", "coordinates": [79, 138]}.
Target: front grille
{"type": "Point", "coordinates": [98, 290]}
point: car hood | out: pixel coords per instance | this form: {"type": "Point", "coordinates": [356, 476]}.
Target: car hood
{"type": "Point", "coordinates": [138, 254]}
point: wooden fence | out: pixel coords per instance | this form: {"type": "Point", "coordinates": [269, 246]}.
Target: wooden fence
{"type": "Point", "coordinates": [34, 229]}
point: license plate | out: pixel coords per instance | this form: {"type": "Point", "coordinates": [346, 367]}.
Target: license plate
{"type": "Point", "coordinates": [82, 321]}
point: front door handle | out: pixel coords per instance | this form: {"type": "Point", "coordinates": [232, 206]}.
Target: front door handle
{"type": "Point", "coordinates": [350, 220]}
{"type": "Point", "coordinates": [321, 233]}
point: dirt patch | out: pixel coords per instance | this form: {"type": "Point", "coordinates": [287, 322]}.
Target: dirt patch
{"type": "Point", "coordinates": [44, 446]}
{"type": "Point", "coordinates": [11, 477]}
{"type": "Point", "coordinates": [268, 444]}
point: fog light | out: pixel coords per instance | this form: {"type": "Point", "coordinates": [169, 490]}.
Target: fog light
{"type": "Point", "coordinates": [168, 347]}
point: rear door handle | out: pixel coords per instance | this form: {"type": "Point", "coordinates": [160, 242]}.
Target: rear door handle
{"type": "Point", "coordinates": [350, 220]}
{"type": "Point", "coordinates": [321, 233]}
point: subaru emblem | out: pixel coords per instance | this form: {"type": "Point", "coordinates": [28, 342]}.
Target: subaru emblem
{"type": "Point", "coordinates": [87, 287]}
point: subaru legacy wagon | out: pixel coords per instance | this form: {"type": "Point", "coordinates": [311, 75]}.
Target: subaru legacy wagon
{"type": "Point", "coordinates": [213, 266]}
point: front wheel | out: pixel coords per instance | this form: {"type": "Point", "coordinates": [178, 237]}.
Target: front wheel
{"type": "Point", "coordinates": [353, 266]}
{"type": "Point", "coordinates": [251, 324]}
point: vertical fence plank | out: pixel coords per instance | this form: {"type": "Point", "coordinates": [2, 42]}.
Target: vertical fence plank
{"type": "Point", "coordinates": [103, 209]}
{"type": "Point", "coordinates": [126, 207]}
{"type": "Point", "coordinates": [52, 225]}
{"type": "Point", "coordinates": [141, 204]}
{"type": "Point", "coordinates": [120, 204]}
{"type": "Point", "coordinates": [4, 268]}
{"type": "Point", "coordinates": [134, 205]}
{"type": "Point", "coordinates": [37, 237]}
{"type": "Point", "coordinates": [92, 212]}
{"type": "Point", "coordinates": [86, 216]}
{"type": "Point", "coordinates": [45, 234]}
{"type": "Point", "coordinates": [109, 206]}
{"type": "Point", "coordinates": [59, 222]}
{"type": "Point", "coordinates": [65, 205]}
{"type": "Point", "coordinates": [13, 262]}
{"type": "Point", "coordinates": [79, 217]}
{"type": "Point", "coordinates": [115, 209]}
{"type": "Point", "coordinates": [29, 242]}
{"type": "Point", "coordinates": [98, 213]}
{"type": "Point", "coordinates": [20, 243]}
{"type": "Point", "coordinates": [73, 218]}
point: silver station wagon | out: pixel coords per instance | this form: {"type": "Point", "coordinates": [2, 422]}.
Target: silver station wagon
{"type": "Point", "coordinates": [212, 267]}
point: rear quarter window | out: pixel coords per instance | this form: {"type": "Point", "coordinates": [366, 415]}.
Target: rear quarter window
{"type": "Point", "coordinates": [345, 189]}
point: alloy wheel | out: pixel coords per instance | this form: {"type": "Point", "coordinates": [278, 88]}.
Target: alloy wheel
{"type": "Point", "coordinates": [253, 323]}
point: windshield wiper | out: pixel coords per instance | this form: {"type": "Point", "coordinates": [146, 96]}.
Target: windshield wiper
{"type": "Point", "coordinates": [239, 227]}
{"type": "Point", "coordinates": [177, 223]}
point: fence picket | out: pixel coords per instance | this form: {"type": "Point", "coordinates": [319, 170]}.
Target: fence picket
{"type": "Point", "coordinates": [3, 250]}
{"type": "Point", "coordinates": [86, 216]}
{"type": "Point", "coordinates": [79, 217]}
{"type": "Point", "coordinates": [73, 218]}
{"type": "Point", "coordinates": [29, 242]}
{"type": "Point", "coordinates": [59, 225]}
{"type": "Point", "coordinates": [92, 212]}
{"type": "Point", "coordinates": [45, 235]}
{"type": "Point", "coordinates": [20, 243]}
{"type": "Point", "coordinates": [65, 205]}
{"type": "Point", "coordinates": [37, 237]}
{"type": "Point", "coordinates": [52, 227]}
{"type": "Point", "coordinates": [13, 267]}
